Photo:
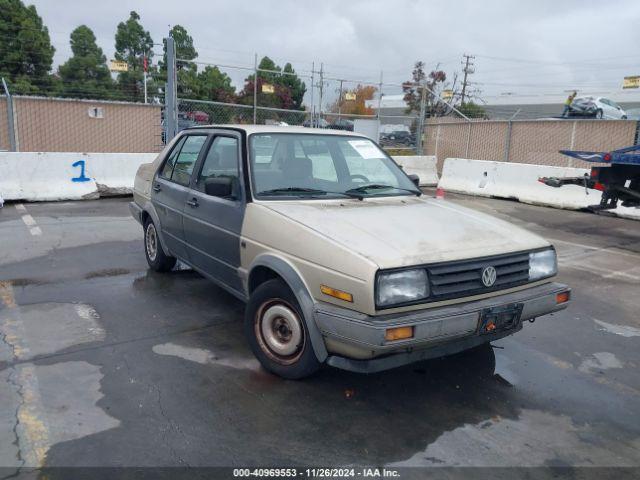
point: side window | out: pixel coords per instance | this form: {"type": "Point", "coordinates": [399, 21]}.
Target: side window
{"type": "Point", "coordinates": [187, 157]}
{"type": "Point", "coordinates": [221, 162]}
{"type": "Point", "coordinates": [167, 168]}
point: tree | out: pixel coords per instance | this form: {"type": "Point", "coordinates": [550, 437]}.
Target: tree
{"type": "Point", "coordinates": [215, 85]}
{"type": "Point", "coordinates": [288, 90]}
{"type": "Point", "coordinates": [358, 106]}
{"type": "Point", "coordinates": [26, 53]}
{"type": "Point", "coordinates": [295, 85]}
{"type": "Point", "coordinates": [184, 50]}
{"type": "Point", "coordinates": [133, 44]}
{"type": "Point", "coordinates": [472, 110]}
{"type": "Point", "coordinates": [86, 73]}
{"type": "Point", "coordinates": [187, 72]}
{"type": "Point", "coordinates": [434, 83]}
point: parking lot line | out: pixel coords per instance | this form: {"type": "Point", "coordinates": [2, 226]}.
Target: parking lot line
{"type": "Point", "coordinates": [31, 429]}
{"type": "Point", "coordinates": [29, 221]}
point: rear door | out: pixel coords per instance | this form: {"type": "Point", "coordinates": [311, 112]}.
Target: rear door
{"type": "Point", "coordinates": [170, 189]}
{"type": "Point", "coordinates": [212, 225]}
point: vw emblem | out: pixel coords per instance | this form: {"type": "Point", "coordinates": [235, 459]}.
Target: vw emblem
{"type": "Point", "coordinates": [489, 276]}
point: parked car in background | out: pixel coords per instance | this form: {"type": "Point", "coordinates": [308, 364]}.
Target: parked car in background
{"type": "Point", "coordinates": [319, 123]}
{"type": "Point", "coordinates": [198, 116]}
{"type": "Point", "coordinates": [338, 255]}
{"type": "Point", "coordinates": [342, 124]}
{"type": "Point", "coordinates": [398, 137]}
{"type": "Point", "coordinates": [596, 107]}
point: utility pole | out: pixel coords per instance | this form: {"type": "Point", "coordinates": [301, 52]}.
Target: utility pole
{"type": "Point", "coordinates": [320, 93]}
{"type": "Point", "coordinates": [340, 100]}
{"type": "Point", "coordinates": [10, 119]}
{"type": "Point", "coordinates": [171, 92]}
{"type": "Point", "coordinates": [145, 66]}
{"type": "Point", "coordinates": [468, 70]}
{"type": "Point", "coordinates": [255, 88]}
{"type": "Point", "coordinates": [423, 112]}
{"type": "Point", "coordinates": [313, 87]}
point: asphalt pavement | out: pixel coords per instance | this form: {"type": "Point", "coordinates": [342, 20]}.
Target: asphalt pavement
{"type": "Point", "coordinates": [105, 363]}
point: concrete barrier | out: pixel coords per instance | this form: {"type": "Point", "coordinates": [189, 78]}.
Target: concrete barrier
{"type": "Point", "coordinates": [520, 182]}
{"type": "Point", "coordinates": [422, 165]}
{"type": "Point", "coordinates": [44, 176]}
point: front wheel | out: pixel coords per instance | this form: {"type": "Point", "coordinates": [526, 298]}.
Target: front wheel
{"type": "Point", "coordinates": [277, 333]}
{"type": "Point", "coordinates": [599, 114]}
{"type": "Point", "coordinates": [156, 257]}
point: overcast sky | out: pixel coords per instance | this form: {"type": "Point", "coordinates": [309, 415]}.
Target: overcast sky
{"type": "Point", "coordinates": [534, 46]}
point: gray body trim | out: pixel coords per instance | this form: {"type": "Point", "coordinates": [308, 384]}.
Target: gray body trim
{"type": "Point", "coordinates": [433, 328]}
{"type": "Point", "coordinates": [299, 289]}
{"type": "Point", "coordinates": [399, 359]}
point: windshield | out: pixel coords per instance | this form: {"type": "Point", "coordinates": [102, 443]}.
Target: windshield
{"type": "Point", "coordinates": [321, 166]}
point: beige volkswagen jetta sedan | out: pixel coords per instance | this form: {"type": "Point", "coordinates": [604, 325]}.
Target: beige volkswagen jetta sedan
{"type": "Point", "coordinates": [339, 256]}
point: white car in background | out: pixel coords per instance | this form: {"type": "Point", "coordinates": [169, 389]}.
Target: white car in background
{"type": "Point", "coordinates": [596, 107]}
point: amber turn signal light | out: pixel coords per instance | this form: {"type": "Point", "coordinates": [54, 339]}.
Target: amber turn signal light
{"type": "Point", "coordinates": [398, 333]}
{"type": "Point", "coordinates": [333, 292]}
{"type": "Point", "coordinates": [562, 297]}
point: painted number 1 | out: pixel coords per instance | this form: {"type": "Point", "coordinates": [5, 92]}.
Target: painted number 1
{"type": "Point", "coordinates": [82, 177]}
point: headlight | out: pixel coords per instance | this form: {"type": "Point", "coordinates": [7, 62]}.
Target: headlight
{"type": "Point", "coordinates": [401, 287]}
{"type": "Point", "coordinates": [542, 264]}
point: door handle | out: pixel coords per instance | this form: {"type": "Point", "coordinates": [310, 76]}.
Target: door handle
{"type": "Point", "coordinates": [193, 203]}
{"type": "Point", "coordinates": [156, 187]}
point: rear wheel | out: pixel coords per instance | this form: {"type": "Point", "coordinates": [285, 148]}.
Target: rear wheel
{"type": "Point", "coordinates": [599, 114]}
{"type": "Point", "coordinates": [156, 257]}
{"type": "Point", "coordinates": [277, 333]}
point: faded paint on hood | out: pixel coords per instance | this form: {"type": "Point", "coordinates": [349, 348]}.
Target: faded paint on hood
{"type": "Point", "coordinates": [402, 231]}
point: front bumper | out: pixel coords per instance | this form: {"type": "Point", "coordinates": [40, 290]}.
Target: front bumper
{"type": "Point", "coordinates": [357, 342]}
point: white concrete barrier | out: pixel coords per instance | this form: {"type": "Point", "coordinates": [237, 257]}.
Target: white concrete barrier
{"type": "Point", "coordinates": [42, 176]}
{"type": "Point", "coordinates": [422, 165]}
{"type": "Point", "coordinates": [520, 181]}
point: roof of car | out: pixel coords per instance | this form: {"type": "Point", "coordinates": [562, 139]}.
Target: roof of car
{"type": "Point", "coordinates": [249, 129]}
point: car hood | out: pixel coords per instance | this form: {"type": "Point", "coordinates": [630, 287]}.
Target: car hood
{"type": "Point", "coordinates": [402, 231]}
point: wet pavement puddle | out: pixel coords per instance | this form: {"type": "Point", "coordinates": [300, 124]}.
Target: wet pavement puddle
{"type": "Point", "coordinates": [204, 357]}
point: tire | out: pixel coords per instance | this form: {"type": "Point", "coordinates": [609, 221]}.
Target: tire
{"type": "Point", "coordinates": [156, 257]}
{"type": "Point", "coordinates": [277, 332]}
{"type": "Point", "coordinates": [599, 114]}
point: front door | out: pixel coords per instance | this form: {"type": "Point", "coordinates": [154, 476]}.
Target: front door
{"type": "Point", "coordinates": [170, 189]}
{"type": "Point", "coordinates": [212, 224]}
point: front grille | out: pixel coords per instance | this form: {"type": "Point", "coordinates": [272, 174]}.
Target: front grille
{"type": "Point", "coordinates": [464, 278]}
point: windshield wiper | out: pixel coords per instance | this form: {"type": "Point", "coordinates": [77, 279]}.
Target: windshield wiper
{"type": "Point", "coordinates": [277, 191]}
{"type": "Point", "coordinates": [378, 186]}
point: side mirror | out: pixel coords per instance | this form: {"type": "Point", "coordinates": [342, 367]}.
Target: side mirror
{"type": "Point", "coordinates": [219, 187]}
{"type": "Point", "coordinates": [415, 179]}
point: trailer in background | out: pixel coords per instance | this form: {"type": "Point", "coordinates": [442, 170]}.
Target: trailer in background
{"type": "Point", "coordinates": [618, 181]}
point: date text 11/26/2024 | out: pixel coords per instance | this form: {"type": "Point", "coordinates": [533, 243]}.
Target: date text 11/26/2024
{"type": "Point", "coordinates": [316, 472]}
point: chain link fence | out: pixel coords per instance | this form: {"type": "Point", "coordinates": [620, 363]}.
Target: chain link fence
{"type": "Point", "coordinates": [525, 141]}
{"type": "Point", "coordinates": [308, 98]}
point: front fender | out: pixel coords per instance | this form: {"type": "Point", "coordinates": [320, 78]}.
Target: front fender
{"type": "Point", "coordinates": [294, 280]}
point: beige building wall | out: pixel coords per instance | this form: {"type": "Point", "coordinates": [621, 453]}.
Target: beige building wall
{"type": "Point", "coordinates": [69, 125]}
{"type": "Point", "coordinates": [533, 142]}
